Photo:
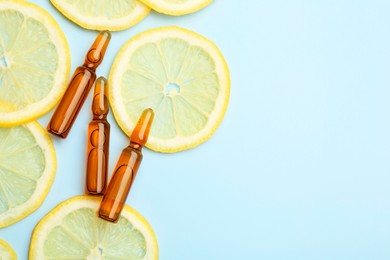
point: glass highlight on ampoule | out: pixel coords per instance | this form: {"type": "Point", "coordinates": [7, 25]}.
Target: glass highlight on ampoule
{"type": "Point", "coordinates": [79, 87]}
{"type": "Point", "coordinates": [126, 169]}
{"type": "Point", "coordinates": [98, 141]}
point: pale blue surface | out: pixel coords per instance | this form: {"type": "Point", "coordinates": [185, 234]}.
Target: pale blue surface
{"type": "Point", "coordinates": [299, 168]}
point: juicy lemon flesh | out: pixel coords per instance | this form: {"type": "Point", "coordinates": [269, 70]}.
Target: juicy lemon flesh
{"type": "Point", "coordinates": [182, 76]}
{"type": "Point", "coordinates": [26, 70]}
{"type": "Point", "coordinates": [22, 163]}
{"type": "Point", "coordinates": [103, 14]}
{"type": "Point", "coordinates": [34, 62]}
{"type": "Point", "coordinates": [27, 168]}
{"type": "Point", "coordinates": [6, 251]}
{"type": "Point", "coordinates": [177, 7]}
{"type": "Point", "coordinates": [178, 81]}
{"type": "Point", "coordinates": [109, 9]}
{"type": "Point", "coordinates": [73, 231]}
{"type": "Point", "coordinates": [83, 235]}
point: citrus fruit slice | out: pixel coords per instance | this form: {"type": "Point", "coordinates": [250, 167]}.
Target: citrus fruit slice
{"type": "Point", "coordinates": [27, 169]}
{"type": "Point", "coordinates": [177, 7]}
{"type": "Point", "coordinates": [6, 251]}
{"type": "Point", "coordinates": [73, 231]}
{"type": "Point", "coordinates": [34, 62]}
{"type": "Point", "coordinates": [181, 75]}
{"type": "Point", "coordinates": [103, 14]}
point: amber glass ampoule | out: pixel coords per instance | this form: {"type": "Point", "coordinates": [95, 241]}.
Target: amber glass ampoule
{"type": "Point", "coordinates": [126, 170]}
{"type": "Point", "coordinates": [79, 87]}
{"type": "Point", "coordinates": [98, 141]}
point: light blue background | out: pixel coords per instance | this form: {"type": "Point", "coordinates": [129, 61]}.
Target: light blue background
{"type": "Point", "coordinates": [299, 168]}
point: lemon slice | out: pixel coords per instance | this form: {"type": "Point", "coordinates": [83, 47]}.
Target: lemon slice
{"type": "Point", "coordinates": [6, 251]}
{"type": "Point", "coordinates": [177, 7]}
{"type": "Point", "coordinates": [27, 169]}
{"type": "Point", "coordinates": [34, 62]}
{"type": "Point", "coordinates": [73, 231]}
{"type": "Point", "coordinates": [103, 14]}
{"type": "Point", "coordinates": [181, 75]}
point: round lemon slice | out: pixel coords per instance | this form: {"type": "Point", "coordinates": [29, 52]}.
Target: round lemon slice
{"type": "Point", "coordinates": [27, 170]}
{"type": "Point", "coordinates": [34, 62]}
{"type": "Point", "coordinates": [73, 231]}
{"type": "Point", "coordinates": [181, 75]}
{"type": "Point", "coordinates": [6, 251]}
{"type": "Point", "coordinates": [103, 14]}
{"type": "Point", "coordinates": [177, 7]}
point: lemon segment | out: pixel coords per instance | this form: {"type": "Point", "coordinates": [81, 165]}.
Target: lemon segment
{"type": "Point", "coordinates": [34, 62]}
{"type": "Point", "coordinates": [73, 231]}
{"type": "Point", "coordinates": [103, 14]}
{"type": "Point", "coordinates": [177, 7]}
{"type": "Point", "coordinates": [181, 75]}
{"type": "Point", "coordinates": [27, 170]}
{"type": "Point", "coordinates": [6, 251]}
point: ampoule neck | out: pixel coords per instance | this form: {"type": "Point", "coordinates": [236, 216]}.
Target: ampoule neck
{"type": "Point", "coordinates": [89, 67]}
{"type": "Point", "coordinates": [85, 67]}
{"type": "Point", "coordinates": [135, 146]}
{"type": "Point", "coordinates": [100, 117]}
{"type": "Point", "coordinates": [93, 59]}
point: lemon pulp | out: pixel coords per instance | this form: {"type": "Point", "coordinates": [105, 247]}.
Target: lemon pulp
{"type": "Point", "coordinates": [6, 251]}
{"type": "Point", "coordinates": [73, 231]}
{"type": "Point", "coordinates": [27, 169]}
{"type": "Point", "coordinates": [34, 62]}
{"type": "Point", "coordinates": [103, 14]}
{"type": "Point", "coordinates": [177, 7]}
{"type": "Point", "coordinates": [181, 75]}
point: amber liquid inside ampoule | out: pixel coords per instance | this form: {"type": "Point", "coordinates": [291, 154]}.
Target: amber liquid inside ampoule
{"type": "Point", "coordinates": [98, 141]}
{"type": "Point", "coordinates": [126, 170]}
{"type": "Point", "coordinates": [78, 89]}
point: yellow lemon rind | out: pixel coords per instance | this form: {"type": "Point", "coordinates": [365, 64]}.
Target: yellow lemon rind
{"type": "Point", "coordinates": [44, 225]}
{"type": "Point", "coordinates": [174, 145]}
{"type": "Point", "coordinates": [9, 249]}
{"type": "Point", "coordinates": [100, 24]}
{"type": "Point", "coordinates": [35, 110]}
{"type": "Point", "coordinates": [34, 202]}
{"type": "Point", "coordinates": [175, 10]}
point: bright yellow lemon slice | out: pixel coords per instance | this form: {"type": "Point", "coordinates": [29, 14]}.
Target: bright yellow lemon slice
{"type": "Point", "coordinates": [6, 251]}
{"type": "Point", "coordinates": [177, 7]}
{"type": "Point", "coordinates": [73, 231]}
{"type": "Point", "coordinates": [34, 62]}
{"type": "Point", "coordinates": [103, 14]}
{"type": "Point", "coordinates": [27, 170]}
{"type": "Point", "coordinates": [181, 75]}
